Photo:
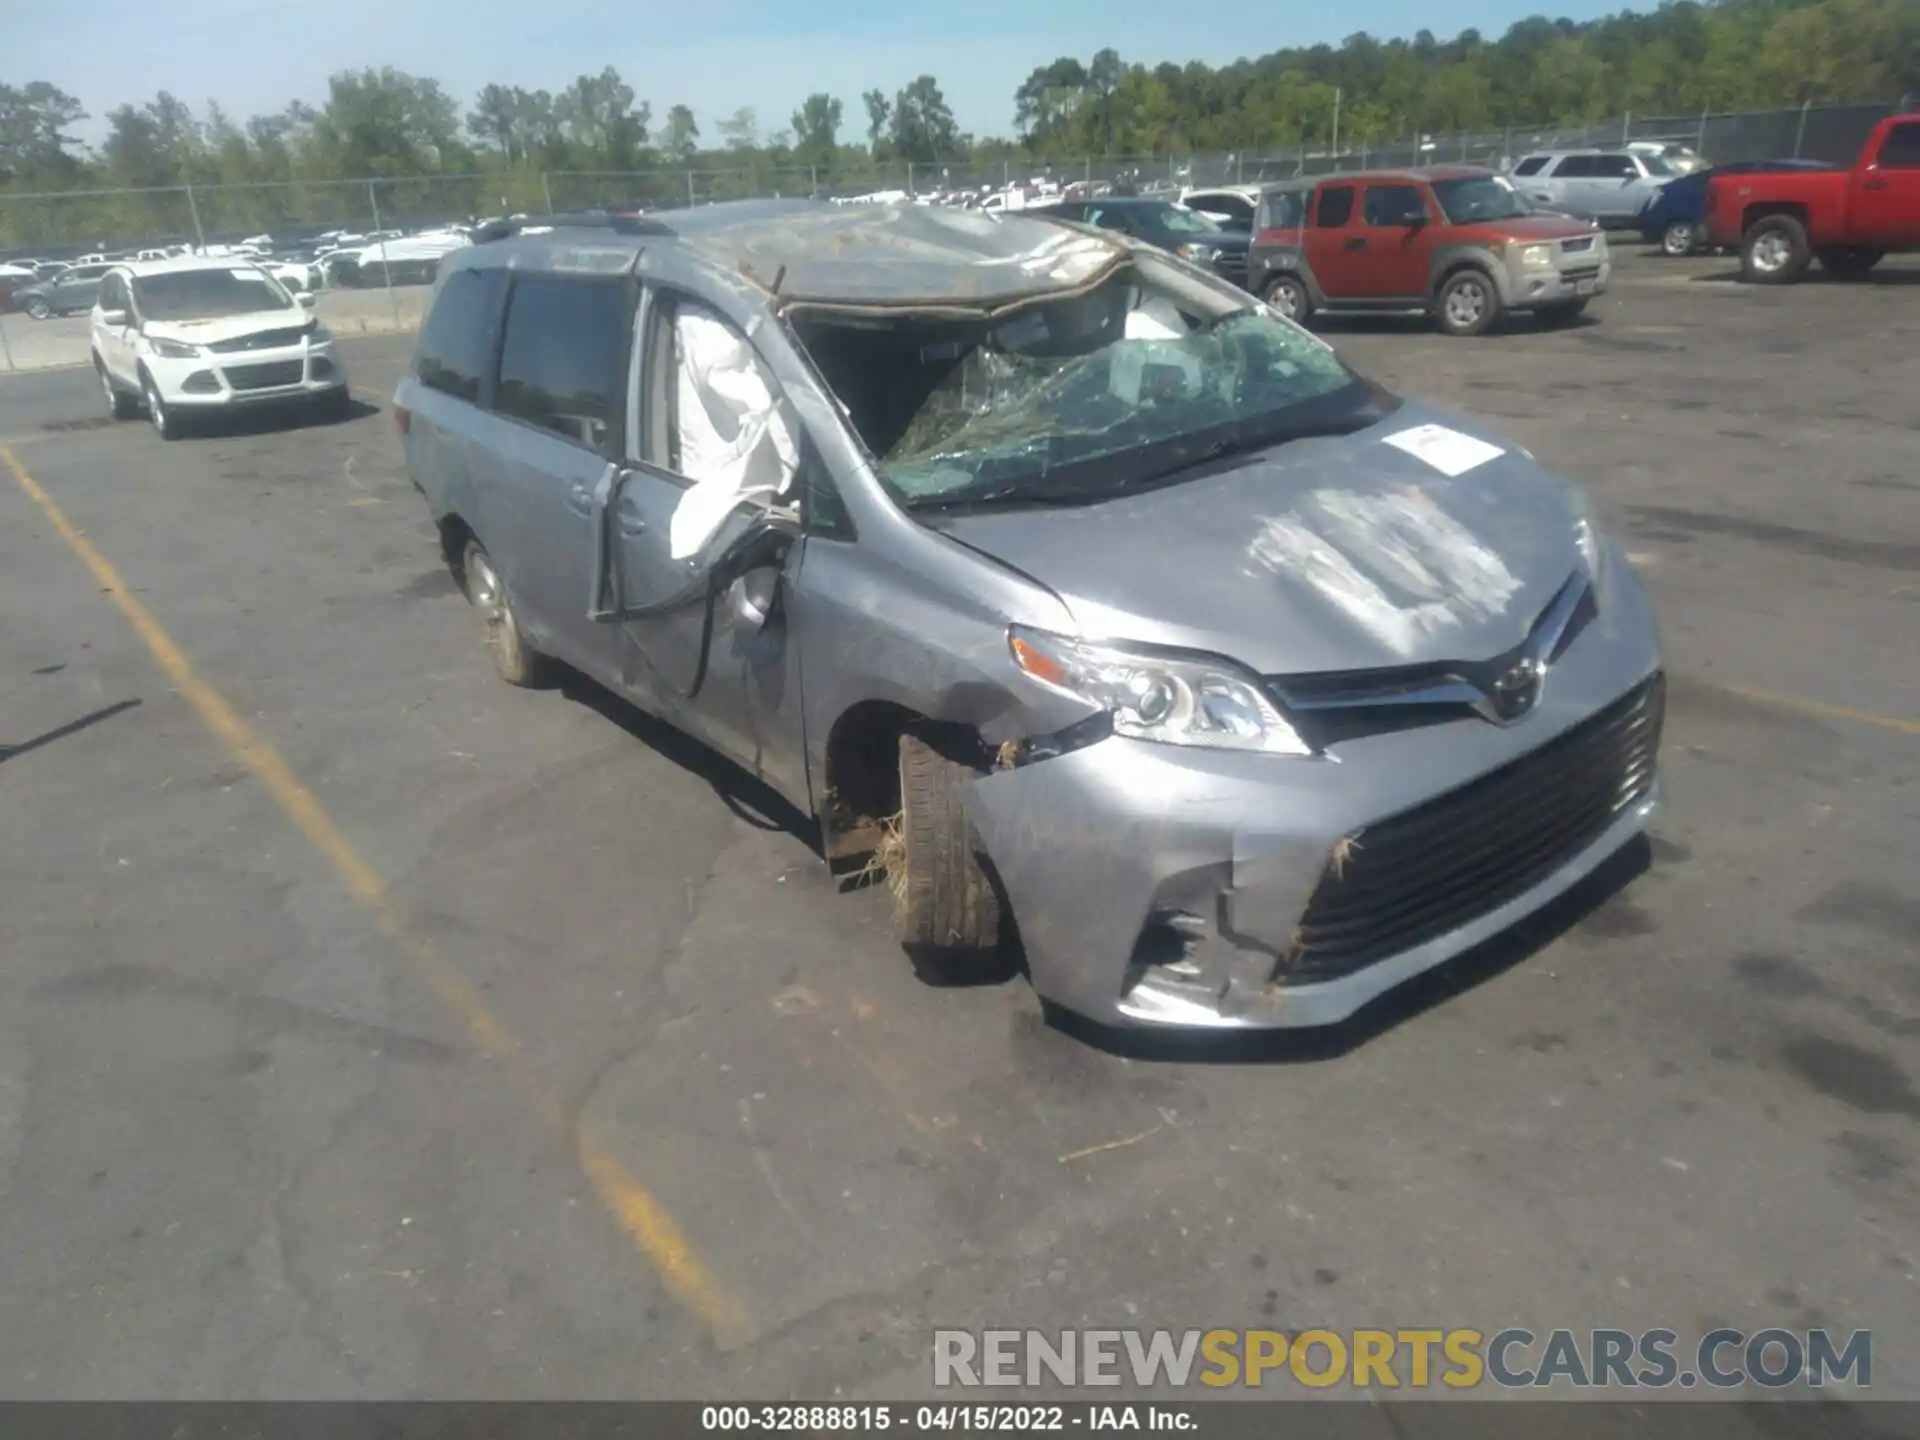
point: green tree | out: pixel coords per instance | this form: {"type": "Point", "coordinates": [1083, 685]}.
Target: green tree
{"type": "Point", "coordinates": [816, 129]}
{"type": "Point", "coordinates": [923, 128]}
{"type": "Point", "coordinates": [682, 137]}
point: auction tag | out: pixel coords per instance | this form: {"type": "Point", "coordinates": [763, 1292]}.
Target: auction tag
{"type": "Point", "coordinates": [1447, 451]}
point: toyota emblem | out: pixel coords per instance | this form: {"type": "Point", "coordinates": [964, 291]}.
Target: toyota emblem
{"type": "Point", "coordinates": [1515, 691]}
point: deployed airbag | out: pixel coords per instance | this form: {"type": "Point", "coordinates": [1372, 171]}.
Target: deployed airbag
{"type": "Point", "coordinates": [734, 442]}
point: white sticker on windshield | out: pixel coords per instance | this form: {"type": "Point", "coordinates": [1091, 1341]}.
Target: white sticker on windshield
{"type": "Point", "coordinates": [1447, 451]}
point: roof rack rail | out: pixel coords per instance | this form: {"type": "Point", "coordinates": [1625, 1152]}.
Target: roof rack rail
{"type": "Point", "coordinates": [627, 224]}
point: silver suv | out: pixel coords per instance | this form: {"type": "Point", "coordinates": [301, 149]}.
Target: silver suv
{"type": "Point", "coordinates": [1611, 186]}
{"type": "Point", "coordinates": [1106, 612]}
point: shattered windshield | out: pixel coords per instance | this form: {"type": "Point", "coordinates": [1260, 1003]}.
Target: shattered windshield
{"type": "Point", "coordinates": [1083, 397]}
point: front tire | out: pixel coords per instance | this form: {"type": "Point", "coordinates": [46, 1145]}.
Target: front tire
{"type": "Point", "coordinates": [334, 406]}
{"type": "Point", "coordinates": [517, 661]}
{"type": "Point", "coordinates": [120, 405]}
{"type": "Point", "coordinates": [1774, 251]}
{"type": "Point", "coordinates": [1468, 304]}
{"type": "Point", "coordinates": [947, 910]}
{"type": "Point", "coordinates": [160, 415]}
{"type": "Point", "coordinates": [1680, 238]}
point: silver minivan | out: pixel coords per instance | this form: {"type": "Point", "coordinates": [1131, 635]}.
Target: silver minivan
{"type": "Point", "coordinates": [1611, 186]}
{"type": "Point", "coordinates": [1108, 614]}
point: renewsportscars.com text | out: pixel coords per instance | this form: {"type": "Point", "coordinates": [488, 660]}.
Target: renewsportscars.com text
{"type": "Point", "coordinates": [1458, 1359]}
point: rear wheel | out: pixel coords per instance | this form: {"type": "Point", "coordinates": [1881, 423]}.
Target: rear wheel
{"type": "Point", "coordinates": [1849, 262]}
{"type": "Point", "coordinates": [1468, 304]}
{"type": "Point", "coordinates": [1774, 251]}
{"type": "Point", "coordinates": [38, 308]}
{"type": "Point", "coordinates": [517, 661]}
{"type": "Point", "coordinates": [946, 909]}
{"type": "Point", "coordinates": [1679, 238]}
{"type": "Point", "coordinates": [1288, 295]}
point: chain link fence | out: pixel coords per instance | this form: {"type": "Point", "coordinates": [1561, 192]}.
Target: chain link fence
{"type": "Point", "coordinates": [68, 223]}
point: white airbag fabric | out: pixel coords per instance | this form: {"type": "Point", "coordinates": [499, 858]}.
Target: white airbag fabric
{"type": "Point", "coordinates": [734, 444]}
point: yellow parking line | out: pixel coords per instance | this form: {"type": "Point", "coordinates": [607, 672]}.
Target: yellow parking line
{"type": "Point", "coordinates": [640, 1216]}
{"type": "Point", "coordinates": [1820, 707]}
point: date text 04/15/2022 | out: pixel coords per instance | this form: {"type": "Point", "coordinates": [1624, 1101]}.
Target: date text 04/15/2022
{"type": "Point", "coordinates": [943, 1418]}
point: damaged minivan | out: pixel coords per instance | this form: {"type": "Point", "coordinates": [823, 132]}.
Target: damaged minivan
{"type": "Point", "coordinates": [1110, 614]}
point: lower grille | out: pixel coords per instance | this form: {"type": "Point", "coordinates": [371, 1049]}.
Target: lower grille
{"type": "Point", "coordinates": [1426, 871]}
{"type": "Point", "coordinates": [267, 376]}
{"type": "Point", "coordinates": [1580, 272]}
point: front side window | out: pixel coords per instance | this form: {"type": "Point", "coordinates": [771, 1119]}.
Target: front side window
{"type": "Point", "coordinates": [1284, 210]}
{"type": "Point", "coordinates": [1575, 167]}
{"type": "Point", "coordinates": [1532, 165]}
{"type": "Point", "coordinates": [208, 294]}
{"type": "Point", "coordinates": [1901, 149]}
{"type": "Point", "coordinates": [1393, 206]}
{"type": "Point", "coordinates": [563, 356]}
{"type": "Point", "coordinates": [1070, 400]}
{"type": "Point", "coordinates": [456, 343]}
{"type": "Point", "coordinates": [1659, 166]}
{"type": "Point", "coordinates": [1613, 167]}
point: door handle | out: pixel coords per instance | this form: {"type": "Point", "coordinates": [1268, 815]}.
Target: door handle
{"type": "Point", "coordinates": [580, 499]}
{"type": "Point", "coordinates": [632, 526]}
{"type": "Point", "coordinates": [1873, 185]}
{"type": "Point", "coordinates": [1355, 244]}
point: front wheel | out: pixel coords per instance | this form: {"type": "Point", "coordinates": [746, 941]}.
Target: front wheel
{"type": "Point", "coordinates": [1468, 304]}
{"type": "Point", "coordinates": [165, 423]}
{"type": "Point", "coordinates": [1849, 262]}
{"type": "Point", "coordinates": [946, 908]}
{"type": "Point", "coordinates": [1679, 238]}
{"type": "Point", "coordinates": [1775, 251]}
{"type": "Point", "coordinates": [120, 405]}
{"type": "Point", "coordinates": [335, 405]}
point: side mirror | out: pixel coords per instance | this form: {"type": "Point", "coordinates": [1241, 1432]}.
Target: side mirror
{"type": "Point", "coordinates": [307, 298]}
{"type": "Point", "coordinates": [113, 317]}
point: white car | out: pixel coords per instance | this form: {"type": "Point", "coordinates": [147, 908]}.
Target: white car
{"type": "Point", "coordinates": [193, 337]}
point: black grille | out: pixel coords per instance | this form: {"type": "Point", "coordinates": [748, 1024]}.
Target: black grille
{"type": "Point", "coordinates": [266, 377]}
{"type": "Point", "coordinates": [1580, 272]}
{"type": "Point", "coordinates": [263, 340]}
{"type": "Point", "coordinates": [1432, 869]}
{"type": "Point", "coordinates": [1577, 245]}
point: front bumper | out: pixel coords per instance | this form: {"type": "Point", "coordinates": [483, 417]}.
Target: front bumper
{"type": "Point", "coordinates": [1155, 886]}
{"type": "Point", "coordinates": [254, 377]}
{"type": "Point", "coordinates": [1564, 285]}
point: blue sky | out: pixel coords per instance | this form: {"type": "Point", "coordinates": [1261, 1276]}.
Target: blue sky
{"type": "Point", "coordinates": [714, 55]}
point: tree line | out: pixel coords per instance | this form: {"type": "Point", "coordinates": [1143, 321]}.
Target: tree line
{"type": "Point", "coordinates": [1683, 58]}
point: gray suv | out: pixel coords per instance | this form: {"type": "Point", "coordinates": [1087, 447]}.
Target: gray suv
{"type": "Point", "coordinates": [1611, 186]}
{"type": "Point", "coordinates": [1103, 610]}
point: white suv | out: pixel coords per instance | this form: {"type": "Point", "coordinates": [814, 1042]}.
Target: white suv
{"type": "Point", "coordinates": [195, 336]}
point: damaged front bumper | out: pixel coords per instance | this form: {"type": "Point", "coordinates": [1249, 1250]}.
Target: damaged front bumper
{"type": "Point", "coordinates": [1160, 886]}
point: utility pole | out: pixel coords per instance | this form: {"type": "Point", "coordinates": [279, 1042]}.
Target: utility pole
{"type": "Point", "coordinates": [1336, 126]}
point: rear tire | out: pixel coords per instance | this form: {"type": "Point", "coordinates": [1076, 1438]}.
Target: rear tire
{"type": "Point", "coordinates": [1467, 304]}
{"type": "Point", "coordinates": [1774, 251]}
{"type": "Point", "coordinates": [38, 308]}
{"type": "Point", "coordinates": [1849, 262]}
{"type": "Point", "coordinates": [1288, 294]}
{"type": "Point", "coordinates": [120, 405]}
{"type": "Point", "coordinates": [517, 661]}
{"type": "Point", "coordinates": [947, 909]}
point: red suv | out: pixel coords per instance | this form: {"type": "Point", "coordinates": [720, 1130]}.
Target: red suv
{"type": "Point", "coordinates": [1455, 242]}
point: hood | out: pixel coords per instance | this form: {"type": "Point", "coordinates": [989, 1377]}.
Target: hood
{"type": "Point", "coordinates": [1536, 227]}
{"type": "Point", "coordinates": [1345, 553]}
{"type": "Point", "coordinates": [226, 327]}
{"type": "Point", "coordinates": [413, 247]}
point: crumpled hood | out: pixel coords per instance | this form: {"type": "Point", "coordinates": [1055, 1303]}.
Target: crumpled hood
{"type": "Point", "coordinates": [1330, 554]}
{"type": "Point", "coordinates": [226, 327]}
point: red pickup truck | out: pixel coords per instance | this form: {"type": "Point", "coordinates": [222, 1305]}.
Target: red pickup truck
{"type": "Point", "coordinates": [1781, 221]}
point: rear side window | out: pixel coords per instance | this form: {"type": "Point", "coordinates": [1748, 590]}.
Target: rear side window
{"type": "Point", "coordinates": [1901, 149]}
{"type": "Point", "coordinates": [1532, 165]}
{"type": "Point", "coordinates": [1334, 207]}
{"type": "Point", "coordinates": [563, 357]}
{"type": "Point", "coordinates": [1390, 206]}
{"type": "Point", "coordinates": [456, 343]}
{"type": "Point", "coordinates": [1575, 167]}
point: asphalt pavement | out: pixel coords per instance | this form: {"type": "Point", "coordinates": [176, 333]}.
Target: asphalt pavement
{"type": "Point", "coordinates": [369, 1028]}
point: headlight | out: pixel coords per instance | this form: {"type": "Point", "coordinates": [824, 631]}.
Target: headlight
{"type": "Point", "coordinates": [318, 334]}
{"type": "Point", "coordinates": [1537, 257]}
{"type": "Point", "coordinates": [1192, 700]}
{"type": "Point", "coordinates": [1592, 543]}
{"type": "Point", "coordinates": [1202, 254]}
{"type": "Point", "coordinates": [174, 349]}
